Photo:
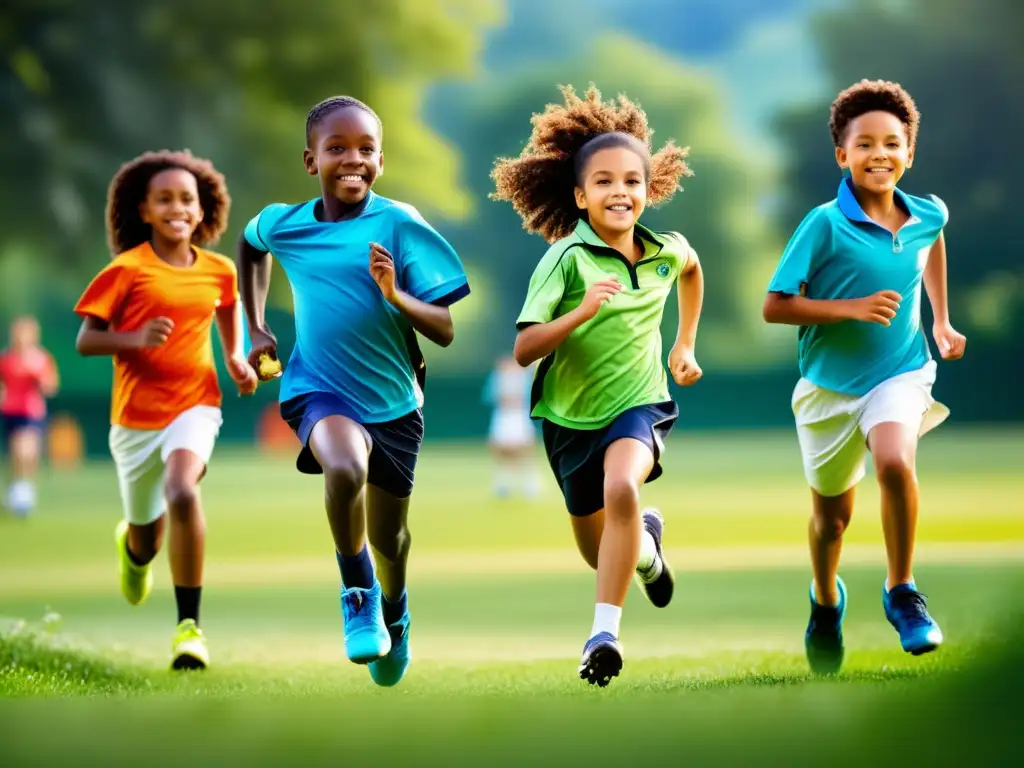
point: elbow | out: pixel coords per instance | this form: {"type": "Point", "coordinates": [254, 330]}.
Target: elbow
{"type": "Point", "coordinates": [522, 355]}
{"type": "Point", "coordinates": [81, 345]}
{"type": "Point", "coordinates": [770, 309]}
{"type": "Point", "coordinates": [446, 337]}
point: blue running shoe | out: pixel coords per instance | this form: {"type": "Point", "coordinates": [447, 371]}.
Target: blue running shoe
{"type": "Point", "coordinates": [907, 610]}
{"type": "Point", "coordinates": [824, 638]}
{"type": "Point", "coordinates": [366, 637]}
{"type": "Point", "coordinates": [390, 670]}
{"type": "Point", "coordinates": [602, 659]}
{"type": "Point", "coordinates": [658, 588]}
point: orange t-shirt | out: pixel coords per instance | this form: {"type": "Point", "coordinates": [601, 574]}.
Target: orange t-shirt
{"type": "Point", "coordinates": [153, 386]}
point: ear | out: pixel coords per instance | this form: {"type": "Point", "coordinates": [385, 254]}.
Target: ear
{"type": "Point", "coordinates": [581, 198]}
{"type": "Point", "coordinates": [841, 157]}
{"type": "Point", "coordinates": [309, 160]}
{"type": "Point", "coordinates": [380, 164]}
{"type": "Point", "coordinates": [144, 214]}
{"type": "Point", "coordinates": [910, 158]}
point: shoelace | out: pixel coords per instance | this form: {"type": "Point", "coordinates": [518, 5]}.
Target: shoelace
{"type": "Point", "coordinates": [357, 601]}
{"type": "Point", "coordinates": [912, 608]}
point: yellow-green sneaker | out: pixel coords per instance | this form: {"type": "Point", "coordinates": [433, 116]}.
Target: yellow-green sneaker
{"type": "Point", "coordinates": [188, 650]}
{"type": "Point", "coordinates": [136, 580]}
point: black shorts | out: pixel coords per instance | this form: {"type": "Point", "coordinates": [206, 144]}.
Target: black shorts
{"type": "Point", "coordinates": [394, 445]}
{"type": "Point", "coordinates": [14, 423]}
{"type": "Point", "coordinates": [577, 455]}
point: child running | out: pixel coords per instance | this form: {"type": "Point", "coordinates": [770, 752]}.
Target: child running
{"type": "Point", "coordinates": [593, 317]}
{"type": "Point", "coordinates": [367, 273]}
{"type": "Point", "coordinates": [28, 376]}
{"type": "Point", "coordinates": [851, 278]}
{"type": "Point", "coordinates": [512, 438]}
{"type": "Point", "coordinates": [151, 308]}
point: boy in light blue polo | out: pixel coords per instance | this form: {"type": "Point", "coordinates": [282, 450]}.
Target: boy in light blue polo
{"type": "Point", "coordinates": [851, 279]}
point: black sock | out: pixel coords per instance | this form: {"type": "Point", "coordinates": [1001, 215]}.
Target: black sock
{"type": "Point", "coordinates": [188, 603]}
{"type": "Point", "coordinates": [393, 611]}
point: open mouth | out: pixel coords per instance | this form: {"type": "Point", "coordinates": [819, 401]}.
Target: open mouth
{"type": "Point", "coordinates": [351, 178]}
{"type": "Point", "coordinates": [620, 208]}
{"type": "Point", "coordinates": [879, 169]}
{"type": "Point", "coordinates": [178, 225]}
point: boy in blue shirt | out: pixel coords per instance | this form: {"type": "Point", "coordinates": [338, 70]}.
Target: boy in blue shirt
{"type": "Point", "coordinates": [851, 279]}
{"type": "Point", "coordinates": [366, 274]}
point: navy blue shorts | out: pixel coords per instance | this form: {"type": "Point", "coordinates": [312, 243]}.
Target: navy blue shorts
{"type": "Point", "coordinates": [577, 455]}
{"type": "Point", "coordinates": [14, 423]}
{"type": "Point", "coordinates": [394, 445]}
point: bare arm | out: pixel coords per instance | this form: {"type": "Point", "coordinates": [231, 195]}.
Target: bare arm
{"type": "Point", "coordinates": [229, 328]}
{"type": "Point", "coordinates": [935, 281]}
{"type": "Point", "coordinates": [254, 268]}
{"type": "Point", "coordinates": [95, 338]}
{"type": "Point", "coordinates": [538, 341]}
{"type": "Point", "coordinates": [433, 321]}
{"type": "Point", "coordinates": [690, 293]}
{"type": "Point", "coordinates": [799, 310]}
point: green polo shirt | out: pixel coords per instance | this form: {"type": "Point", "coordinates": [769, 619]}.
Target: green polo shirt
{"type": "Point", "coordinates": [613, 362]}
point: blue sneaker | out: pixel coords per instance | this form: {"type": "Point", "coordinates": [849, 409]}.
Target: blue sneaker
{"type": "Point", "coordinates": [823, 640]}
{"type": "Point", "coordinates": [366, 637]}
{"type": "Point", "coordinates": [658, 588]}
{"type": "Point", "coordinates": [602, 659]}
{"type": "Point", "coordinates": [391, 669]}
{"type": "Point", "coordinates": [907, 610]}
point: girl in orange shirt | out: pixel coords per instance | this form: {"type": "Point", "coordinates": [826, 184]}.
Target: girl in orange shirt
{"type": "Point", "coordinates": [151, 308]}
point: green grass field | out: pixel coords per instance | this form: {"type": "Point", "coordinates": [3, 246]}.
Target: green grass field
{"type": "Point", "coordinates": [501, 607]}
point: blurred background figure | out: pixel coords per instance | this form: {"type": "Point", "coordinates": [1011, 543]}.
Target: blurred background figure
{"type": "Point", "coordinates": [28, 377]}
{"type": "Point", "coordinates": [512, 437]}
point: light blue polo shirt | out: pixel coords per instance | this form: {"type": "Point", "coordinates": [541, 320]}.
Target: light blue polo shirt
{"type": "Point", "coordinates": [349, 341]}
{"type": "Point", "coordinates": [837, 252]}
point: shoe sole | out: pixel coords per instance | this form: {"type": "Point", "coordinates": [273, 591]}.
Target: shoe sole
{"type": "Point", "coordinates": [186, 662]}
{"type": "Point", "coordinates": [659, 599]}
{"type": "Point", "coordinates": [603, 664]}
{"type": "Point", "coordinates": [923, 649]}
{"type": "Point", "coordinates": [824, 661]}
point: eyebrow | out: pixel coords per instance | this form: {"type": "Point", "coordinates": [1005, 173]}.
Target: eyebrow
{"type": "Point", "coordinates": [340, 137]}
{"type": "Point", "coordinates": [871, 136]}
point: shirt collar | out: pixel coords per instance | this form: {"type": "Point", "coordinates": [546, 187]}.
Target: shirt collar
{"type": "Point", "coordinates": [851, 208]}
{"type": "Point", "coordinates": [585, 232]}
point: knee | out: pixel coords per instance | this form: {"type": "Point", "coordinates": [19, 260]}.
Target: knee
{"type": "Point", "coordinates": [394, 544]}
{"type": "Point", "coordinates": [621, 497]}
{"type": "Point", "coordinates": [182, 498]}
{"type": "Point", "coordinates": [894, 469]}
{"type": "Point", "coordinates": [344, 476]}
{"type": "Point", "coordinates": [831, 527]}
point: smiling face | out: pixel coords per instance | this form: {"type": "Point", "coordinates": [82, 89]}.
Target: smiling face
{"type": "Point", "coordinates": [613, 190]}
{"type": "Point", "coordinates": [877, 151]}
{"type": "Point", "coordinates": [345, 151]}
{"type": "Point", "coordinates": [172, 206]}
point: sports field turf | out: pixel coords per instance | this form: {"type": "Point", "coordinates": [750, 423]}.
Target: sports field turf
{"type": "Point", "coordinates": [501, 606]}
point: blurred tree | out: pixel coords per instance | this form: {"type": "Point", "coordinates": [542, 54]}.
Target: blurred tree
{"type": "Point", "coordinates": [719, 209]}
{"type": "Point", "coordinates": [966, 75]}
{"type": "Point", "coordinates": [86, 86]}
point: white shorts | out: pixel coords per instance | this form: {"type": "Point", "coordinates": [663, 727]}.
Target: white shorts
{"type": "Point", "coordinates": [140, 454]}
{"type": "Point", "coordinates": [512, 429]}
{"type": "Point", "coordinates": [832, 428]}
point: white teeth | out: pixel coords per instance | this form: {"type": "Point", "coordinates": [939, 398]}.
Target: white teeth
{"type": "Point", "coordinates": [879, 170]}
{"type": "Point", "coordinates": [351, 178]}
{"type": "Point", "coordinates": [618, 207]}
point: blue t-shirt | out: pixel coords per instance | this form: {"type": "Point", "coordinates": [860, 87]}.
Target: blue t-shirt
{"type": "Point", "coordinates": [348, 340]}
{"type": "Point", "coordinates": [837, 252]}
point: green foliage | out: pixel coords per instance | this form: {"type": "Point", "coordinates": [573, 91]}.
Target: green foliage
{"type": "Point", "coordinates": [91, 85]}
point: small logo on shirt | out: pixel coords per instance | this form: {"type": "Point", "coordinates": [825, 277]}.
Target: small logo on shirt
{"type": "Point", "coordinates": [663, 269]}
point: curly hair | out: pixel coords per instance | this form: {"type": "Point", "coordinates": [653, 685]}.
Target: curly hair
{"type": "Point", "coordinates": [873, 96]}
{"type": "Point", "coordinates": [130, 185]}
{"type": "Point", "coordinates": [540, 182]}
{"type": "Point", "coordinates": [325, 107]}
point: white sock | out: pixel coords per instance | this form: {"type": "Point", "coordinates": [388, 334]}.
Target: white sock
{"type": "Point", "coordinates": [649, 564]}
{"type": "Point", "coordinates": [606, 619]}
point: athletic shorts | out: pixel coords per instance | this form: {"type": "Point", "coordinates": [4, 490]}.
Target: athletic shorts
{"type": "Point", "coordinates": [140, 455]}
{"type": "Point", "coordinates": [15, 423]}
{"type": "Point", "coordinates": [833, 428]}
{"type": "Point", "coordinates": [394, 445]}
{"type": "Point", "coordinates": [577, 455]}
